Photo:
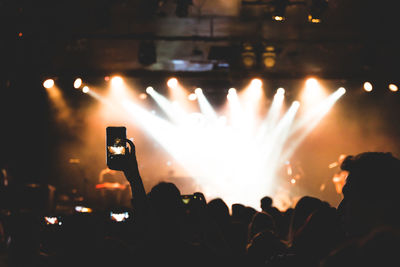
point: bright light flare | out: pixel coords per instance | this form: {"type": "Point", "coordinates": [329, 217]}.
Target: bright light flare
{"type": "Point", "coordinates": [280, 91]}
{"type": "Point", "coordinates": [77, 83]}
{"type": "Point", "coordinates": [172, 83]}
{"type": "Point", "coordinates": [150, 90]}
{"type": "Point", "coordinates": [48, 84]}
{"type": "Point", "coordinates": [83, 209]}
{"type": "Point", "coordinates": [85, 89]}
{"type": "Point", "coordinates": [313, 92]}
{"type": "Point", "coordinates": [119, 217]}
{"type": "Point", "coordinates": [368, 87]}
{"type": "Point", "coordinates": [256, 83]}
{"type": "Point", "coordinates": [198, 91]}
{"type": "Point", "coordinates": [237, 162]}
{"type": "Point", "coordinates": [192, 97]}
{"type": "Point", "coordinates": [117, 81]}
{"type": "Point", "coordinates": [393, 87]}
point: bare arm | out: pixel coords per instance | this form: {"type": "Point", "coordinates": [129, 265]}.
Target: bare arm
{"type": "Point", "coordinates": [131, 172]}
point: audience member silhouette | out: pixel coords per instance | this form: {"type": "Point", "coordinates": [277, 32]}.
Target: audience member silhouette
{"type": "Point", "coordinates": [303, 208]}
{"type": "Point", "coordinates": [362, 231]}
{"type": "Point", "coordinates": [261, 221]}
{"type": "Point", "coordinates": [370, 195]}
{"type": "Point", "coordinates": [266, 206]}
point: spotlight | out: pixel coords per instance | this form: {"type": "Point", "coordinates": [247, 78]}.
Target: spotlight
{"type": "Point", "coordinates": [198, 91]}
{"type": "Point", "coordinates": [77, 83]}
{"type": "Point", "coordinates": [149, 90]}
{"type": "Point", "coordinates": [368, 87]}
{"type": "Point", "coordinates": [232, 91]}
{"type": "Point", "coordinates": [85, 89]}
{"type": "Point", "coordinates": [248, 55]}
{"type": "Point", "coordinates": [182, 8]}
{"type": "Point", "coordinates": [393, 87]}
{"type": "Point", "coordinates": [280, 91]}
{"type": "Point", "coordinates": [279, 7]}
{"type": "Point", "coordinates": [317, 8]}
{"type": "Point", "coordinates": [172, 83]}
{"type": "Point", "coordinates": [269, 56]}
{"type": "Point", "coordinates": [256, 83]}
{"type": "Point", "coordinates": [147, 53]}
{"type": "Point", "coordinates": [192, 97]}
{"type": "Point", "coordinates": [49, 83]}
{"type": "Point", "coordinates": [117, 81]}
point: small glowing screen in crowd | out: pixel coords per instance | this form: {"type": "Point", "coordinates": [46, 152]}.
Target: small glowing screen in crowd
{"type": "Point", "coordinates": [52, 220]}
{"type": "Point", "coordinates": [119, 216]}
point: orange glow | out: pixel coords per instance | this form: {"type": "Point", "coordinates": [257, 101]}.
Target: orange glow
{"type": "Point", "coordinates": [293, 181]}
{"type": "Point", "coordinates": [110, 186]}
{"type": "Point", "coordinates": [142, 96]}
{"type": "Point", "coordinates": [339, 179]}
{"type": "Point", "coordinates": [20, 34]}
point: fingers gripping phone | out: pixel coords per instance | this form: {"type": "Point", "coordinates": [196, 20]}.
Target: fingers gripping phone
{"type": "Point", "coordinates": [116, 147]}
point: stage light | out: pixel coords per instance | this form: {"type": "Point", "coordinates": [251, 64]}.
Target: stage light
{"type": "Point", "coordinates": [77, 83]}
{"type": "Point", "coordinates": [293, 181]}
{"type": "Point", "coordinates": [85, 89]}
{"type": "Point", "coordinates": [198, 91]}
{"type": "Point", "coordinates": [368, 87]}
{"type": "Point", "coordinates": [248, 55]}
{"type": "Point", "coordinates": [313, 92]}
{"type": "Point", "coordinates": [172, 83]}
{"type": "Point", "coordinates": [49, 83]}
{"type": "Point", "coordinates": [192, 97]}
{"type": "Point", "coordinates": [279, 8]}
{"type": "Point", "coordinates": [256, 83]}
{"type": "Point", "coordinates": [316, 10]}
{"type": "Point", "coordinates": [280, 91]}
{"type": "Point", "coordinates": [269, 56]}
{"type": "Point", "coordinates": [232, 91]}
{"type": "Point", "coordinates": [393, 87]}
{"type": "Point", "coordinates": [117, 81]}
{"type": "Point", "coordinates": [149, 90]}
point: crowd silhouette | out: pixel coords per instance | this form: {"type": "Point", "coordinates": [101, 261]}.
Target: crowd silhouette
{"type": "Point", "coordinates": [164, 230]}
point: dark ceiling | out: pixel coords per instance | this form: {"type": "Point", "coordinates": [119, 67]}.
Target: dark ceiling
{"type": "Point", "coordinates": [356, 39]}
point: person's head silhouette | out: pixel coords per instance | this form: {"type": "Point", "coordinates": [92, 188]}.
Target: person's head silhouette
{"type": "Point", "coordinates": [370, 193]}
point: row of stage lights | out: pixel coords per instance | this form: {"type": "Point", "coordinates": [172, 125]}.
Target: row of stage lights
{"type": "Point", "coordinates": [173, 83]}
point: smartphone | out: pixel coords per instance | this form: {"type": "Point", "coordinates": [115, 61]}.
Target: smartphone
{"type": "Point", "coordinates": [52, 220]}
{"type": "Point", "coordinates": [119, 216]}
{"type": "Point", "coordinates": [116, 147]}
{"type": "Point", "coordinates": [186, 199]}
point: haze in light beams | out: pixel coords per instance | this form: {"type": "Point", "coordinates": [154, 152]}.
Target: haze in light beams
{"type": "Point", "coordinates": [231, 153]}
